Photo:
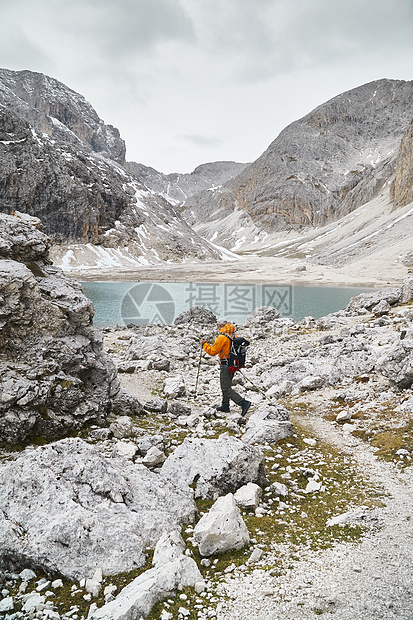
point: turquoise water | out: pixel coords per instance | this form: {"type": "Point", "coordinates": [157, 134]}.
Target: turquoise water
{"type": "Point", "coordinates": [141, 303]}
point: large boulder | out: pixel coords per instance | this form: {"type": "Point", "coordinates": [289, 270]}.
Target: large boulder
{"type": "Point", "coordinates": [55, 376]}
{"type": "Point", "coordinates": [171, 570]}
{"type": "Point", "coordinates": [214, 466]}
{"type": "Point", "coordinates": [222, 528]}
{"type": "Point", "coordinates": [397, 363]}
{"type": "Point", "coordinates": [269, 424]}
{"type": "Point", "coordinates": [197, 317]}
{"type": "Point", "coordinates": [366, 301]}
{"type": "Point", "coordinates": [69, 510]}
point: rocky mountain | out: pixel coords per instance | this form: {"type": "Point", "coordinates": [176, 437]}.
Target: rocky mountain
{"type": "Point", "coordinates": [52, 108]}
{"type": "Point", "coordinates": [177, 188]}
{"type": "Point", "coordinates": [320, 168]}
{"type": "Point", "coordinates": [61, 163]}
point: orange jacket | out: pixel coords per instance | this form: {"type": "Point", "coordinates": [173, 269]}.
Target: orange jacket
{"type": "Point", "coordinates": [222, 344]}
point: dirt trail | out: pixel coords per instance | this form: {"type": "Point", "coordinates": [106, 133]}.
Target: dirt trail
{"type": "Point", "coordinates": [370, 580]}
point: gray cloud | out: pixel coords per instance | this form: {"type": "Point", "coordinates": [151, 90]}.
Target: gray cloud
{"type": "Point", "coordinates": [125, 27]}
{"type": "Point", "coordinates": [202, 140]}
{"type": "Point", "coordinates": [263, 38]}
{"type": "Point", "coordinates": [188, 81]}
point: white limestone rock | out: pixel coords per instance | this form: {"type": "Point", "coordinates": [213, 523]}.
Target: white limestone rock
{"type": "Point", "coordinates": [169, 547]}
{"type": "Point", "coordinates": [278, 489]}
{"type": "Point", "coordinates": [216, 466]}
{"type": "Point", "coordinates": [174, 387]}
{"type": "Point", "coordinates": [222, 528]}
{"type": "Point", "coordinates": [80, 510]}
{"type": "Point", "coordinates": [94, 585]}
{"type": "Point", "coordinates": [311, 383]}
{"type": "Point", "coordinates": [268, 432]}
{"type": "Point", "coordinates": [6, 604]}
{"type": "Point", "coordinates": [248, 496]}
{"type": "Point", "coordinates": [154, 457]}
{"type": "Point", "coordinates": [344, 415]}
{"type": "Point", "coordinates": [125, 449]}
{"type": "Point", "coordinates": [122, 427]}
{"type": "Point", "coordinates": [171, 570]}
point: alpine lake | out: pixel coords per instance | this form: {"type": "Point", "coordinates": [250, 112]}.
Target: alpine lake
{"type": "Point", "coordinates": [144, 303]}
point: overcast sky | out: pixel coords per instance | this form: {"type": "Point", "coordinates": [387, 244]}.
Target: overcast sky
{"type": "Point", "coordinates": [192, 81]}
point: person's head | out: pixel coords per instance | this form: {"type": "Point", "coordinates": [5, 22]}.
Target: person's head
{"type": "Point", "coordinates": [221, 322]}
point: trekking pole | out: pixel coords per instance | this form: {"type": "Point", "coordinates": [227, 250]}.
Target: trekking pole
{"type": "Point", "coordinates": [248, 379]}
{"type": "Point", "coordinates": [256, 386]}
{"type": "Point", "coordinates": [197, 374]}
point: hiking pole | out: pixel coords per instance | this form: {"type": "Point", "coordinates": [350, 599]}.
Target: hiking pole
{"type": "Point", "coordinates": [256, 386]}
{"type": "Point", "coordinates": [197, 374]}
{"type": "Point", "coordinates": [248, 379]}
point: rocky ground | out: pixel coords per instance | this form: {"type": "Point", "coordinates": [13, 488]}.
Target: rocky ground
{"type": "Point", "coordinates": [343, 548]}
{"type": "Point", "coordinates": [323, 458]}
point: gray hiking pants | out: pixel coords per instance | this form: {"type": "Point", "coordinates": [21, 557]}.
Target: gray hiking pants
{"type": "Point", "coordinates": [226, 377]}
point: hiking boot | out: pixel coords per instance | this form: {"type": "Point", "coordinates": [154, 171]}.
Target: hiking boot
{"type": "Point", "coordinates": [245, 405]}
{"type": "Point", "coordinates": [224, 408]}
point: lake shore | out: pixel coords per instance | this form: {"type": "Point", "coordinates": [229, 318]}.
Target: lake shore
{"type": "Point", "coordinates": [257, 270]}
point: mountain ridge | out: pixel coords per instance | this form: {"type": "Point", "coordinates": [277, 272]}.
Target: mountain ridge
{"type": "Point", "coordinates": [60, 162]}
{"type": "Point", "coordinates": [320, 167]}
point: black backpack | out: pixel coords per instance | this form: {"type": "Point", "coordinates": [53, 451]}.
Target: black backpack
{"type": "Point", "coordinates": [238, 352]}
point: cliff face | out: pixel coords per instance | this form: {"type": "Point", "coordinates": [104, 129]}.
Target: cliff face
{"type": "Point", "coordinates": [77, 196]}
{"type": "Point", "coordinates": [59, 162]}
{"type": "Point", "coordinates": [402, 186]}
{"type": "Point", "coordinates": [51, 107]}
{"type": "Point", "coordinates": [54, 375]}
{"type": "Point", "coordinates": [321, 167]}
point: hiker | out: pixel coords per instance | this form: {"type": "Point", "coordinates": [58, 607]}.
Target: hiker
{"type": "Point", "coordinates": [222, 347]}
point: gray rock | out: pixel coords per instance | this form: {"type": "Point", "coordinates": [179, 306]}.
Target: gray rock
{"type": "Point", "coordinates": [311, 383]}
{"type": "Point", "coordinates": [397, 363]}
{"type": "Point", "coordinates": [383, 307]}
{"type": "Point", "coordinates": [261, 317]}
{"type": "Point", "coordinates": [117, 509]}
{"type": "Point", "coordinates": [407, 291]}
{"type": "Point", "coordinates": [174, 387]}
{"type": "Point", "coordinates": [277, 488]}
{"type": "Point", "coordinates": [157, 405]}
{"type": "Point", "coordinates": [197, 316]}
{"type": "Point", "coordinates": [176, 409]}
{"type": "Point", "coordinates": [125, 403]}
{"type": "Point", "coordinates": [268, 432]}
{"type": "Point", "coordinates": [122, 427]}
{"type": "Point", "coordinates": [146, 442]}
{"type": "Point", "coordinates": [222, 528]}
{"type": "Point", "coordinates": [55, 376]}
{"type": "Point", "coordinates": [268, 411]}
{"type": "Point", "coordinates": [366, 301]}
{"type": "Point", "coordinates": [214, 466]}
